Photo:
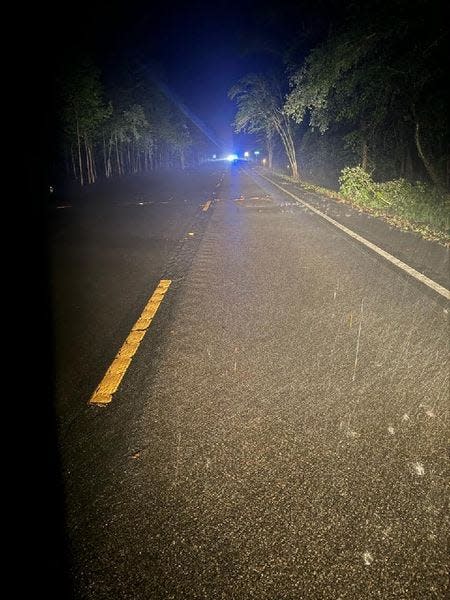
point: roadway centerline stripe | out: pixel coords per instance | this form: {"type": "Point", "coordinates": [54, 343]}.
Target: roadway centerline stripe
{"type": "Point", "coordinates": [206, 205]}
{"type": "Point", "coordinates": [114, 375]}
{"type": "Point", "coordinates": [392, 259]}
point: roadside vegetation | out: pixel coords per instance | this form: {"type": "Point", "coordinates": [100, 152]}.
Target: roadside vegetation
{"type": "Point", "coordinates": [361, 109]}
{"type": "Point", "coordinates": [418, 206]}
{"type": "Point", "coordinates": [120, 131]}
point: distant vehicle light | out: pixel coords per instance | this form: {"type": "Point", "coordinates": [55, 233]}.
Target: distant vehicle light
{"type": "Point", "coordinates": [232, 157]}
{"type": "Point", "coordinates": [214, 155]}
{"type": "Point", "coordinates": [246, 154]}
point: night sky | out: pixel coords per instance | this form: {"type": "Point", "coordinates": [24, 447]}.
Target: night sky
{"type": "Point", "coordinates": [201, 53]}
{"type": "Point", "coordinates": [200, 48]}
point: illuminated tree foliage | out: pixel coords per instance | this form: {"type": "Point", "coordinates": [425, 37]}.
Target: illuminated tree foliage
{"type": "Point", "coordinates": [260, 110]}
{"type": "Point", "coordinates": [382, 76]}
{"type": "Point", "coordinates": [368, 85]}
{"type": "Point", "coordinates": [84, 115]}
{"type": "Point", "coordinates": [135, 131]}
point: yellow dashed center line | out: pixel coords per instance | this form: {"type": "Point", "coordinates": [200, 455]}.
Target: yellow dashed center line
{"type": "Point", "coordinates": [206, 205]}
{"type": "Point", "coordinates": [114, 375]}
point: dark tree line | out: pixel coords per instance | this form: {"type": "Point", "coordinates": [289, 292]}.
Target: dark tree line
{"type": "Point", "coordinates": [121, 131]}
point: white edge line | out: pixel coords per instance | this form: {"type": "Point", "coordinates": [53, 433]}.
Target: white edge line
{"type": "Point", "coordinates": [397, 262]}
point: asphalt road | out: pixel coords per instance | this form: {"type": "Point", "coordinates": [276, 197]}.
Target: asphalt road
{"type": "Point", "coordinates": [281, 431]}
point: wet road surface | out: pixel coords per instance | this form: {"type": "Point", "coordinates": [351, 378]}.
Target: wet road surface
{"type": "Point", "coordinates": [281, 429]}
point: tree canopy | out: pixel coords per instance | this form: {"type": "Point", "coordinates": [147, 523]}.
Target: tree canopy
{"type": "Point", "coordinates": [260, 110]}
{"type": "Point", "coordinates": [120, 131]}
{"type": "Point", "coordinates": [375, 84]}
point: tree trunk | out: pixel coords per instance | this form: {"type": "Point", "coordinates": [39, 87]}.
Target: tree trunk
{"type": "Point", "coordinates": [109, 170]}
{"type": "Point", "coordinates": [80, 163]}
{"type": "Point", "coordinates": [119, 169]}
{"type": "Point", "coordinates": [93, 165]}
{"type": "Point", "coordinates": [283, 128]}
{"type": "Point", "coordinates": [292, 154]}
{"type": "Point", "coordinates": [90, 161]}
{"type": "Point", "coordinates": [88, 166]}
{"type": "Point", "coordinates": [74, 166]}
{"type": "Point", "coordinates": [269, 146]}
{"type": "Point", "coordinates": [429, 167]}
{"type": "Point", "coordinates": [294, 167]}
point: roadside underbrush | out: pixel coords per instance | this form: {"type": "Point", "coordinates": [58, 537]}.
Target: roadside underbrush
{"type": "Point", "coordinates": [409, 206]}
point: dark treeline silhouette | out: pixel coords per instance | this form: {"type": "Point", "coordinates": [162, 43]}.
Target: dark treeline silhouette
{"type": "Point", "coordinates": [121, 131]}
{"type": "Point", "coordinates": [357, 84]}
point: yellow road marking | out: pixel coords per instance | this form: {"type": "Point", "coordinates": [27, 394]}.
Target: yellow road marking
{"type": "Point", "coordinates": [114, 375]}
{"type": "Point", "coordinates": [206, 206]}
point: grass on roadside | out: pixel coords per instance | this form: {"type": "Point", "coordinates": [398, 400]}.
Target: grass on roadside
{"type": "Point", "coordinates": [409, 206]}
